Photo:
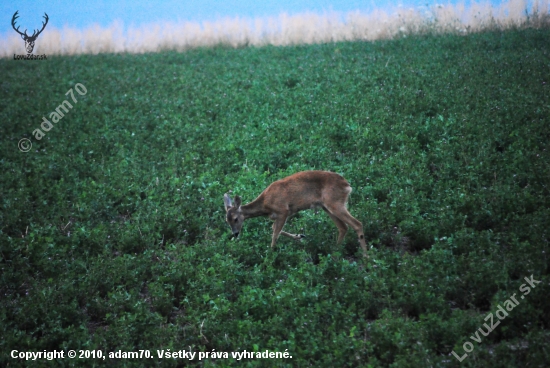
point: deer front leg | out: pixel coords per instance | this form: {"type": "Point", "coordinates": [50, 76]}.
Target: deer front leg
{"type": "Point", "coordinates": [277, 228]}
{"type": "Point", "coordinates": [292, 236]}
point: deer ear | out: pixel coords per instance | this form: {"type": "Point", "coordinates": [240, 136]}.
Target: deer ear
{"type": "Point", "coordinates": [227, 202]}
{"type": "Point", "coordinates": [237, 201]}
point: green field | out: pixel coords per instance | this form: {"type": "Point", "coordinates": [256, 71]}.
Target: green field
{"type": "Point", "coordinates": [113, 233]}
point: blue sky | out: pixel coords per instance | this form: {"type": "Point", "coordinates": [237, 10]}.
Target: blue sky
{"type": "Point", "coordinates": [83, 13]}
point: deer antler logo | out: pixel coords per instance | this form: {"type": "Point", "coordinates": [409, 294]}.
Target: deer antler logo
{"type": "Point", "coordinates": [29, 40]}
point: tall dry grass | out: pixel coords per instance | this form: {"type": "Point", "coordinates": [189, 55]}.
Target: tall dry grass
{"type": "Point", "coordinates": [305, 28]}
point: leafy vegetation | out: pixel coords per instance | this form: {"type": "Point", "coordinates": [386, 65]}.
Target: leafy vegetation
{"type": "Point", "coordinates": [112, 231]}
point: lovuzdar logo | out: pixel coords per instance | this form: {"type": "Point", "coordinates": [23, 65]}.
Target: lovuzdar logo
{"type": "Point", "coordinates": [29, 40]}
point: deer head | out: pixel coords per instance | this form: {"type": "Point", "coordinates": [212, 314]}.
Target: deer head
{"type": "Point", "coordinates": [29, 40]}
{"type": "Point", "coordinates": [234, 214]}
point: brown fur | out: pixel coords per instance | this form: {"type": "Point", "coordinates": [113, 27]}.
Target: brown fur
{"type": "Point", "coordinates": [297, 192]}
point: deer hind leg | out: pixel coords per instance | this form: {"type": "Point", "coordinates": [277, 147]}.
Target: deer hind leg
{"type": "Point", "coordinates": [341, 225]}
{"type": "Point", "coordinates": [343, 215]}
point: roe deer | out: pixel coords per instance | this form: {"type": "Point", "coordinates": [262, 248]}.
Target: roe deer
{"type": "Point", "coordinates": [297, 192]}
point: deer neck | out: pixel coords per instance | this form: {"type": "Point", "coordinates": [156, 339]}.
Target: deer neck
{"type": "Point", "coordinates": [255, 208]}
